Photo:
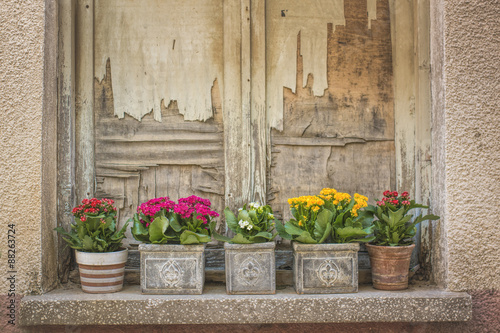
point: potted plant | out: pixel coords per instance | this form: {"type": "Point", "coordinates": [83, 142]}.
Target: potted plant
{"type": "Point", "coordinates": [390, 252]}
{"type": "Point", "coordinates": [172, 258]}
{"type": "Point", "coordinates": [98, 246]}
{"type": "Point", "coordinates": [250, 262]}
{"type": "Point", "coordinates": [319, 266]}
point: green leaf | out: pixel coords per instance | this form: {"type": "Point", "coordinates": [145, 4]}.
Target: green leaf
{"type": "Point", "coordinates": [174, 223]}
{"type": "Point", "coordinates": [157, 228]}
{"type": "Point", "coordinates": [395, 217]}
{"type": "Point", "coordinates": [87, 243]}
{"type": "Point", "coordinates": [327, 233]}
{"type": "Point", "coordinates": [253, 216]}
{"type": "Point", "coordinates": [220, 238]}
{"type": "Point", "coordinates": [189, 237]}
{"type": "Point", "coordinates": [339, 220]}
{"type": "Point", "coordinates": [425, 218]}
{"type": "Point", "coordinates": [292, 229]}
{"type": "Point", "coordinates": [93, 223]}
{"type": "Point", "coordinates": [395, 238]}
{"type": "Point", "coordinates": [363, 240]}
{"type": "Point", "coordinates": [231, 221]}
{"type": "Point", "coordinates": [138, 228]}
{"type": "Point", "coordinates": [240, 239]}
{"type": "Point", "coordinates": [282, 232]}
{"type": "Point", "coordinates": [350, 232]}
{"type": "Point", "coordinates": [120, 234]}
{"type": "Point", "coordinates": [323, 220]}
{"type": "Point", "coordinates": [263, 234]}
{"type": "Point", "coordinates": [306, 238]}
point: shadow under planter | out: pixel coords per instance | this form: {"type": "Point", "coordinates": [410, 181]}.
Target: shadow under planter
{"type": "Point", "coordinates": [250, 268]}
{"type": "Point", "coordinates": [172, 269]}
{"type": "Point", "coordinates": [325, 268]}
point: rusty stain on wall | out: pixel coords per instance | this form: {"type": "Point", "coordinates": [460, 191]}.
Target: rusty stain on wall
{"type": "Point", "coordinates": [160, 51]}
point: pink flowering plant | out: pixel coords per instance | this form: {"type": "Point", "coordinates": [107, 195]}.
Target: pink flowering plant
{"type": "Point", "coordinates": [394, 226]}
{"type": "Point", "coordinates": [95, 228]}
{"type": "Point", "coordinates": [162, 221]}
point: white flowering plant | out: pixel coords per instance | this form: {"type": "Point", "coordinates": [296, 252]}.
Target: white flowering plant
{"type": "Point", "coordinates": [253, 224]}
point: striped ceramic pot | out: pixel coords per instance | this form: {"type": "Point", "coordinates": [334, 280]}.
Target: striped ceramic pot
{"type": "Point", "coordinates": [101, 272]}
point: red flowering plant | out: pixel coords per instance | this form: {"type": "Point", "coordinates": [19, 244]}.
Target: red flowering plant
{"type": "Point", "coordinates": [394, 226]}
{"type": "Point", "coordinates": [95, 227]}
{"type": "Point", "coordinates": [162, 221]}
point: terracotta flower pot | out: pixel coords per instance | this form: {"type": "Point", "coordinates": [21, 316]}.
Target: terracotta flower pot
{"type": "Point", "coordinates": [101, 272]}
{"type": "Point", "coordinates": [390, 266]}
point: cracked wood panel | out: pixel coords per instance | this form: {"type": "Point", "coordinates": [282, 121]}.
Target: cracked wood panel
{"type": "Point", "coordinates": [140, 160]}
{"type": "Point", "coordinates": [344, 138]}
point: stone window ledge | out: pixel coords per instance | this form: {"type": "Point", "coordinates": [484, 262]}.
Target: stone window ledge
{"type": "Point", "coordinates": [129, 307]}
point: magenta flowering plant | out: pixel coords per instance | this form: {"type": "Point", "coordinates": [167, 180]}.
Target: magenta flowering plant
{"type": "Point", "coordinates": [394, 225]}
{"type": "Point", "coordinates": [162, 221]}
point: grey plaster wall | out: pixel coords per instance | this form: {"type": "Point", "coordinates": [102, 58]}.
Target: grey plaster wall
{"type": "Point", "coordinates": [465, 45]}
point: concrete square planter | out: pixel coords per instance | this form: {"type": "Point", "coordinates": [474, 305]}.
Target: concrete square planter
{"type": "Point", "coordinates": [250, 268]}
{"type": "Point", "coordinates": [172, 269]}
{"type": "Point", "coordinates": [325, 268]}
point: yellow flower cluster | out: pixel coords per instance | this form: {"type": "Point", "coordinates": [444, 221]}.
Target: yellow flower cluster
{"type": "Point", "coordinates": [361, 201]}
{"type": "Point", "coordinates": [335, 197]}
{"type": "Point", "coordinates": [308, 201]}
{"type": "Point", "coordinates": [327, 194]}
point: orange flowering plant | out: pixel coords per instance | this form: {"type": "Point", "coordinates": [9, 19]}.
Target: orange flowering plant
{"type": "Point", "coordinates": [311, 223]}
{"type": "Point", "coordinates": [95, 227]}
{"type": "Point", "coordinates": [329, 214]}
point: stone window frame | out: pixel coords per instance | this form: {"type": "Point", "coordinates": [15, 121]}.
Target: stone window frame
{"type": "Point", "coordinates": [68, 94]}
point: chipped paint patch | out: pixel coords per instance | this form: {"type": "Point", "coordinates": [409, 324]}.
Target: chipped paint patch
{"type": "Point", "coordinates": [160, 50]}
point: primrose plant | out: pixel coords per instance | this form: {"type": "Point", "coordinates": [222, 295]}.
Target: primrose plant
{"type": "Point", "coordinates": [253, 224]}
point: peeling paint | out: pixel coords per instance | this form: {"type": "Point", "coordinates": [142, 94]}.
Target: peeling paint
{"type": "Point", "coordinates": [310, 19]}
{"type": "Point", "coordinates": [371, 11]}
{"type": "Point", "coordinates": [160, 50]}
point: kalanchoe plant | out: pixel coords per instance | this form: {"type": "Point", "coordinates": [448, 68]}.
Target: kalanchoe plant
{"type": "Point", "coordinates": [331, 213]}
{"type": "Point", "coordinates": [311, 223]}
{"type": "Point", "coordinates": [254, 224]}
{"type": "Point", "coordinates": [349, 223]}
{"type": "Point", "coordinates": [162, 221]}
{"type": "Point", "coordinates": [394, 226]}
{"type": "Point", "coordinates": [94, 229]}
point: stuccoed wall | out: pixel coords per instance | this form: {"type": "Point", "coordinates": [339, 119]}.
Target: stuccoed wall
{"type": "Point", "coordinates": [466, 92]}
{"type": "Point", "coordinates": [21, 91]}
{"type": "Point", "coordinates": [466, 159]}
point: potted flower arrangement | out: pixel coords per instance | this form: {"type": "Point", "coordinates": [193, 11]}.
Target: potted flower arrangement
{"type": "Point", "coordinates": [250, 262]}
{"type": "Point", "coordinates": [172, 258]}
{"type": "Point", "coordinates": [391, 249]}
{"type": "Point", "coordinates": [98, 246]}
{"type": "Point", "coordinates": [326, 231]}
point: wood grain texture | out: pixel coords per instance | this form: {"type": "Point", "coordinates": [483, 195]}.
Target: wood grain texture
{"type": "Point", "coordinates": [345, 138]}
{"type": "Point", "coordinates": [84, 100]}
{"type": "Point", "coordinates": [65, 130]}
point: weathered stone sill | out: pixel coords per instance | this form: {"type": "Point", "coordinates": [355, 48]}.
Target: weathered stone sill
{"type": "Point", "coordinates": [129, 307]}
